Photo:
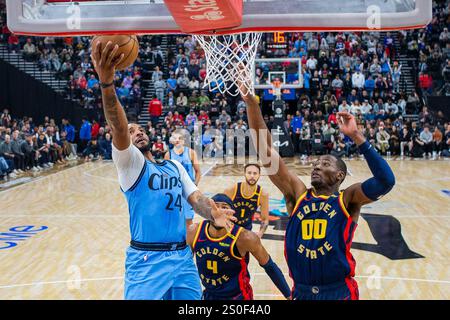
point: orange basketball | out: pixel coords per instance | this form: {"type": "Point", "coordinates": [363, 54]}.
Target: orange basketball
{"type": "Point", "coordinates": [128, 45]}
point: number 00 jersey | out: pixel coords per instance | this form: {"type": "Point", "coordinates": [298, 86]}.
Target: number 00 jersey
{"type": "Point", "coordinates": [245, 207]}
{"type": "Point", "coordinates": [318, 240]}
{"type": "Point", "coordinates": [222, 270]}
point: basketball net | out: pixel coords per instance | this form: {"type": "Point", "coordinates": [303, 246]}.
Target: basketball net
{"type": "Point", "coordinates": [230, 62]}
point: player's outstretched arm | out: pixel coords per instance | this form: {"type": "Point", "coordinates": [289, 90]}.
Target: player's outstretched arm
{"type": "Point", "coordinates": [105, 62]}
{"type": "Point", "coordinates": [264, 213]}
{"type": "Point", "coordinates": [250, 242]}
{"type": "Point", "coordinates": [208, 209]}
{"type": "Point", "coordinates": [288, 183]}
{"type": "Point", "coordinates": [196, 165]}
{"type": "Point", "coordinates": [383, 179]}
{"type": "Point", "coordinates": [201, 204]}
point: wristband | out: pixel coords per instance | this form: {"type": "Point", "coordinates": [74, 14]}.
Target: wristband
{"type": "Point", "coordinates": [106, 85]}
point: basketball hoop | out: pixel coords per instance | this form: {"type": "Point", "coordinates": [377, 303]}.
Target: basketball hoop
{"type": "Point", "coordinates": [230, 61]}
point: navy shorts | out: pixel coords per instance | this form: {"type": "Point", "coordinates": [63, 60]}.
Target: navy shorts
{"type": "Point", "coordinates": [240, 296]}
{"type": "Point", "coordinates": [345, 290]}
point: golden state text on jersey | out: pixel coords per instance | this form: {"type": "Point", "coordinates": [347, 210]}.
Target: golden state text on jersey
{"type": "Point", "coordinates": [318, 240]}
{"type": "Point", "coordinates": [222, 270]}
{"type": "Point", "coordinates": [245, 207]}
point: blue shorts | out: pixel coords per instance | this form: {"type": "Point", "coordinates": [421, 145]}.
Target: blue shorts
{"type": "Point", "coordinates": [188, 211]}
{"type": "Point", "coordinates": [161, 275]}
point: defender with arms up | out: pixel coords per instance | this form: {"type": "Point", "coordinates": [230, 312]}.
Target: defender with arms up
{"type": "Point", "coordinates": [159, 264]}
{"type": "Point", "coordinates": [323, 219]}
{"type": "Point", "coordinates": [220, 257]}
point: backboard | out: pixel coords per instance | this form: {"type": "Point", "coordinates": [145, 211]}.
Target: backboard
{"type": "Point", "coordinates": [65, 17]}
{"type": "Point", "coordinates": [287, 71]}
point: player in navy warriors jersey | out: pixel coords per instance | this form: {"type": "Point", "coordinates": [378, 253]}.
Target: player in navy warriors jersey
{"type": "Point", "coordinates": [247, 197]}
{"type": "Point", "coordinates": [219, 257]}
{"type": "Point", "coordinates": [323, 219]}
{"type": "Point", "coordinates": [159, 264]}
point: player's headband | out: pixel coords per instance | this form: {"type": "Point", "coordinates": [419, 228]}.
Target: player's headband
{"type": "Point", "coordinates": [220, 197]}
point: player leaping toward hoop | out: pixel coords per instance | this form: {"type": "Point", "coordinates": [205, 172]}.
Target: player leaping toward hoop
{"type": "Point", "coordinates": [323, 219]}
{"type": "Point", "coordinates": [159, 264]}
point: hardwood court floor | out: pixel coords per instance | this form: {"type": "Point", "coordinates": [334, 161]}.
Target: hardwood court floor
{"type": "Point", "coordinates": [402, 244]}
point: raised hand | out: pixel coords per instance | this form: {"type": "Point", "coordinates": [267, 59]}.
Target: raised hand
{"type": "Point", "coordinates": [105, 60]}
{"type": "Point", "coordinates": [348, 126]}
{"type": "Point", "coordinates": [222, 217]}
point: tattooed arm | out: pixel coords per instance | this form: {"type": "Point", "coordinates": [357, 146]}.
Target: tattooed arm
{"type": "Point", "coordinates": [105, 62]}
{"type": "Point", "coordinates": [206, 208]}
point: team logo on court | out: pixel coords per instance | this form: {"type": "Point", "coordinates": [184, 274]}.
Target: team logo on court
{"type": "Point", "coordinates": [18, 234]}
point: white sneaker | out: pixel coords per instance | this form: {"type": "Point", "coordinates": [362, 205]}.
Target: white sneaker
{"type": "Point", "coordinates": [12, 175]}
{"type": "Point", "coordinates": [39, 168]}
{"type": "Point", "coordinates": [50, 164]}
{"type": "Point", "coordinates": [20, 171]}
{"type": "Point", "coordinates": [46, 166]}
{"type": "Point", "coordinates": [34, 169]}
{"type": "Point", "coordinates": [15, 172]}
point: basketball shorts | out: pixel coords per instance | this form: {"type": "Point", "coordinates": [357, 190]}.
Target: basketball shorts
{"type": "Point", "coordinates": [238, 297]}
{"type": "Point", "coordinates": [188, 211]}
{"type": "Point", "coordinates": [161, 275]}
{"type": "Point", "coordinates": [346, 290]}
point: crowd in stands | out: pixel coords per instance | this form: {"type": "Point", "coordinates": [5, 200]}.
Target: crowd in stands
{"type": "Point", "coordinates": [28, 146]}
{"type": "Point", "coordinates": [69, 59]}
{"type": "Point", "coordinates": [356, 72]}
{"type": "Point", "coordinates": [431, 48]}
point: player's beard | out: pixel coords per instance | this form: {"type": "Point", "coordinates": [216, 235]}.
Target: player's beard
{"type": "Point", "coordinates": [251, 183]}
{"type": "Point", "coordinates": [145, 148]}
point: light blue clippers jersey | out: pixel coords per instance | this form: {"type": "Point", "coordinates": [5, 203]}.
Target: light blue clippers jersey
{"type": "Point", "coordinates": [155, 204]}
{"type": "Point", "coordinates": [185, 161]}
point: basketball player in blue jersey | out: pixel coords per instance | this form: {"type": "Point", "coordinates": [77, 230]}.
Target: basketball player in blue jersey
{"type": "Point", "coordinates": [188, 159]}
{"type": "Point", "coordinates": [220, 257]}
{"type": "Point", "coordinates": [247, 197]}
{"type": "Point", "coordinates": [159, 264]}
{"type": "Point", "coordinates": [323, 219]}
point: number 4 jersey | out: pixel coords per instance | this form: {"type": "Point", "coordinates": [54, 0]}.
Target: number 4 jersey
{"type": "Point", "coordinates": [222, 270]}
{"type": "Point", "coordinates": [318, 240]}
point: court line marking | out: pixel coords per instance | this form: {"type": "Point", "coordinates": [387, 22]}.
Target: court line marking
{"type": "Point", "coordinates": [41, 178]}
{"type": "Point", "coordinates": [58, 282]}
{"type": "Point", "coordinates": [88, 173]}
{"type": "Point", "coordinates": [64, 216]}
{"type": "Point", "coordinates": [382, 278]}
{"type": "Point", "coordinates": [212, 167]}
{"type": "Point", "coordinates": [252, 274]}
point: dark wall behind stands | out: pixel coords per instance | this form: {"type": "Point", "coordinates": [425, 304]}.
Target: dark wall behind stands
{"type": "Point", "coordinates": [23, 95]}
